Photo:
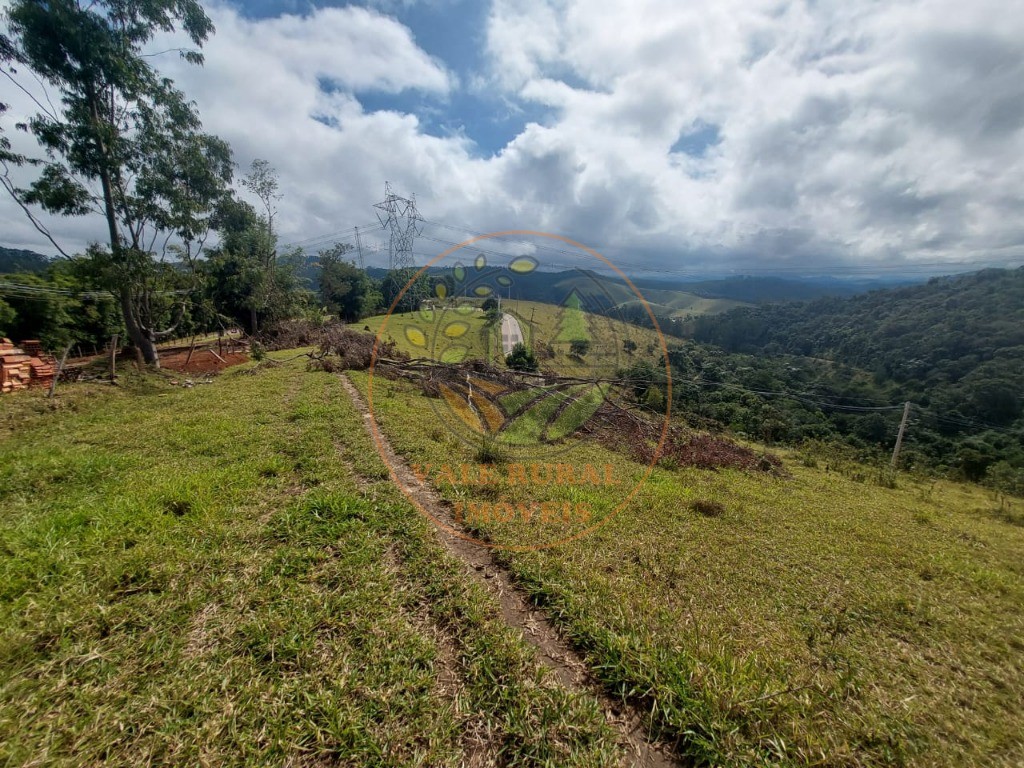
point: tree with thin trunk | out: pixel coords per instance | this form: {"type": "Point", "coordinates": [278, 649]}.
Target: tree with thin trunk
{"type": "Point", "coordinates": [122, 142]}
{"type": "Point", "coordinates": [262, 182]}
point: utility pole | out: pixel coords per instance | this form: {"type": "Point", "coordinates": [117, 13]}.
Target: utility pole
{"type": "Point", "coordinates": [899, 437]}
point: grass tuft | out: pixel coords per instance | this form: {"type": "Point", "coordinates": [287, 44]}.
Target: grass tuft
{"type": "Point", "coordinates": [489, 450]}
{"type": "Point", "coordinates": [708, 508]}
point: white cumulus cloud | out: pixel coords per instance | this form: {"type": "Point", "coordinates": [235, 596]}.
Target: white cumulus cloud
{"type": "Point", "coordinates": [734, 134]}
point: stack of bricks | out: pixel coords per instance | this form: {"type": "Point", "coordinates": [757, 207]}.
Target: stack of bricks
{"type": "Point", "coordinates": [23, 368]}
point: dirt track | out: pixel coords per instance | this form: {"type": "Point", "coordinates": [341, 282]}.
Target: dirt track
{"type": "Point", "coordinates": [480, 564]}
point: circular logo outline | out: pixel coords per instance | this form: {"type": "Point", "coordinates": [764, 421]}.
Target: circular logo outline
{"type": "Point", "coordinates": [377, 432]}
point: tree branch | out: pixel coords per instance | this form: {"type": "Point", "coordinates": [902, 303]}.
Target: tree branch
{"type": "Point", "coordinates": [28, 93]}
{"type": "Point", "coordinates": [13, 192]}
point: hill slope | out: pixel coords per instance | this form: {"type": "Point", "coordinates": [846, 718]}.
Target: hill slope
{"type": "Point", "coordinates": [598, 293]}
{"type": "Point", "coordinates": [235, 577]}
{"type": "Point", "coordinates": [816, 614]}
{"type": "Point", "coordinates": [954, 342]}
{"type": "Point", "coordinates": [544, 326]}
{"type": "Point", "coordinates": [17, 260]}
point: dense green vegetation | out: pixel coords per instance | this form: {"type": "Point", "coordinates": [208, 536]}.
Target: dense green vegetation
{"type": "Point", "coordinates": [840, 368]}
{"type": "Point", "coordinates": [15, 260]}
{"type": "Point", "coordinates": [60, 306]}
{"type": "Point", "coordinates": [953, 330]}
{"type": "Point", "coordinates": [521, 359]}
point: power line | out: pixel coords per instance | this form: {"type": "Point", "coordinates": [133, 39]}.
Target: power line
{"type": "Point", "coordinates": [24, 290]}
{"type": "Point", "coordinates": [330, 237]}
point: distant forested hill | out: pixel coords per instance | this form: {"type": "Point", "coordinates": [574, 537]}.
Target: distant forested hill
{"type": "Point", "coordinates": [956, 343]}
{"type": "Point", "coordinates": [597, 293]}
{"type": "Point", "coordinates": [755, 289]}
{"type": "Point", "coordinates": [14, 260]}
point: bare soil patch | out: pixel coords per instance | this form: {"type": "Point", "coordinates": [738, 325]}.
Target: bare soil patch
{"type": "Point", "coordinates": [203, 360]}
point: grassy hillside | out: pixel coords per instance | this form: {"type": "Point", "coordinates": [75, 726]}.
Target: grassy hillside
{"type": "Point", "coordinates": [447, 334]}
{"type": "Point", "coordinates": [820, 618]}
{"type": "Point", "coordinates": [450, 335]}
{"type": "Point", "coordinates": [233, 580]}
{"type": "Point", "coordinates": [553, 327]}
{"type": "Point", "coordinates": [600, 293]}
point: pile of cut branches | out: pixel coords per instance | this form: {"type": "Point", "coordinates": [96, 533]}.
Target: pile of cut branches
{"type": "Point", "coordinates": [637, 434]}
{"type": "Point", "coordinates": [342, 348]}
{"type": "Point", "coordinates": [617, 424]}
{"type": "Point", "coordinates": [292, 334]}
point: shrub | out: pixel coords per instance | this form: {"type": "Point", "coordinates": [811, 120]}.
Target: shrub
{"type": "Point", "coordinates": [489, 451]}
{"type": "Point", "coordinates": [579, 347]}
{"type": "Point", "coordinates": [521, 359]}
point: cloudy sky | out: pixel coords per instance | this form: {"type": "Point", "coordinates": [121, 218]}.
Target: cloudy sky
{"type": "Point", "coordinates": [801, 137]}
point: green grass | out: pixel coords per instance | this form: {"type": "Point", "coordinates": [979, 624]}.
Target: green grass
{"type": "Point", "coordinates": [424, 334]}
{"type": "Point", "coordinates": [528, 428]}
{"type": "Point", "coordinates": [681, 303]}
{"type": "Point", "coordinates": [818, 619]}
{"type": "Point", "coordinates": [553, 325]}
{"type": "Point", "coordinates": [450, 335]}
{"type": "Point", "coordinates": [225, 575]}
{"type": "Point", "coordinates": [585, 403]}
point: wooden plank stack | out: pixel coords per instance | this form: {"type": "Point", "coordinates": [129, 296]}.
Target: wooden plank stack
{"type": "Point", "coordinates": [20, 370]}
{"type": "Point", "coordinates": [14, 371]}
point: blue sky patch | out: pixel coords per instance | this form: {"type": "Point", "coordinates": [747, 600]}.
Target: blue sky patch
{"type": "Point", "coordinates": [698, 140]}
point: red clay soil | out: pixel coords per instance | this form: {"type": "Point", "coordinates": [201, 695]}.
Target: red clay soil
{"type": "Point", "coordinates": [203, 360]}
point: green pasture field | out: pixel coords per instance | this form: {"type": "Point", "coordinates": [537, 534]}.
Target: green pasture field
{"type": "Point", "coordinates": [224, 575]}
{"type": "Point", "coordinates": [821, 619]}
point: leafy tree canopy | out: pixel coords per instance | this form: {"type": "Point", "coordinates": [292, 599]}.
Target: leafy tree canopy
{"type": "Point", "coordinates": [124, 144]}
{"type": "Point", "coordinates": [521, 359]}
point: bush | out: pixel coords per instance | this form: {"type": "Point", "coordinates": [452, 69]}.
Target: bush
{"type": "Point", "coordinates": [521, 359]}
{"type": "Point", "coordinates": [489, 451]}
{"type": "Point", "coordinates": [1004, 477]}
{"type": "Point", "coordinates": [579, 347]}
{"type": "Point", "coordinates": [545, 351]}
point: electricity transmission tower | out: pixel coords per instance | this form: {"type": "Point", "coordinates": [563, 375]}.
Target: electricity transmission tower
{"type": "Point", "coordinates": [359, 249]}
{"type": "Point", "coordinates": [399, 216]}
